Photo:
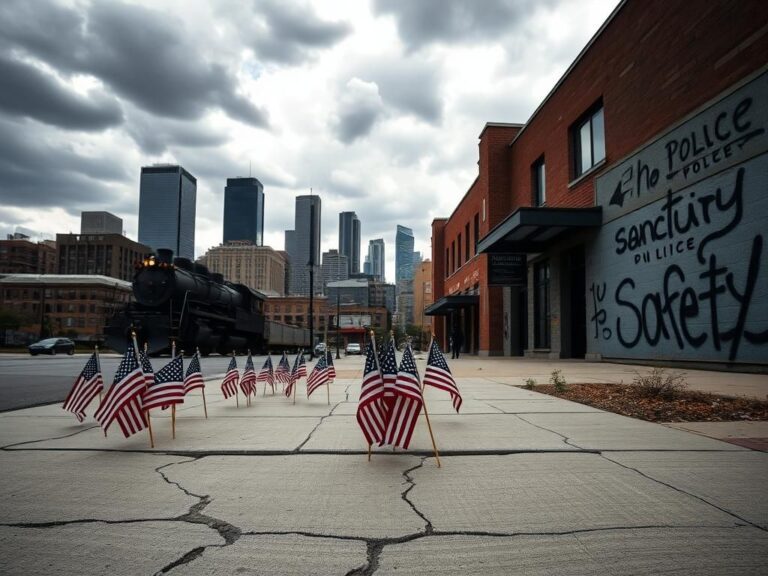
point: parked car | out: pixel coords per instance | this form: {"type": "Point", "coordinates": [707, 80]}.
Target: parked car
{"type": "Point", "coordinates": [52, 346]}
{"type": "Point", "coordinates": [320, 348]}
{"type": "Point", "coordinates": [353, 348]}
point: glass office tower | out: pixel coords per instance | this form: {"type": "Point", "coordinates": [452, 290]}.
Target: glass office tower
{"type": "Point", "coordinates": [403, 254]}
{"type": "Point", "coordinates": [306, 234]}
{"type": "Point", "coordinates": [167, 203]}
{"type": "Point", "coordinates": [244, 210]}
{"type": "Point", "coordinates": [349, 240]}
{"type": "Point", "coordinates": [376, 259]}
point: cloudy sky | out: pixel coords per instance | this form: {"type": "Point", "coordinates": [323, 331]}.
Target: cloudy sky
{"type": "Point", "coordinates": [376, 105]}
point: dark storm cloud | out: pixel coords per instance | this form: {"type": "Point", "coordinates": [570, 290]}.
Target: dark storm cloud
{"type": "Point", "coordinates": [452, 21]}
{"type": "Point", "coordinates": [36, 173]}
{"type": "Point", "coordinates": [154, 135]}
{"type": "Point", "coordinates": [32, 93]}
{"type": "Point", "coordinates": [287, 32]}
{"type": "Point", "coordinates": [143, 55]}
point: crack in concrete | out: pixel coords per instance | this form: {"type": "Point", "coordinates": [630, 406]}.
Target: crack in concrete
{"type": "Point", "coordinates": [699, 498]}
{"type": "Point", "coordinates": [9, 447]}
{"type": "Point", "coordinates": [565, 438]}
{"type": "Point", "coordinates": [309, 437]}
{"type": "Point", "coordinates": [412, 484]}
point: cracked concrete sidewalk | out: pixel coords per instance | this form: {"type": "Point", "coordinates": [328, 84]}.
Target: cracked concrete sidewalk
{"type": "Point", "coordinates": [528, 484]}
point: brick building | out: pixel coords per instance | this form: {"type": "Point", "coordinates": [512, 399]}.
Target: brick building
{"type": "Point", "coordinates": [111, 255]}
{"type": "Point", "coordinates": [241, 262]}
{"type": "Point", "coordinates": [18, 255]}
{"type": "Point", "coordinates": [632, 197]}
{"type": "Point", "coordinates": [72, 305]}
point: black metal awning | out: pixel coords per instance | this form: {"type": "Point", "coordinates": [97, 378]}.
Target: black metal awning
{"type": "Point", "coordinates": [449, 304]}
{"type": "Point", "coordinates": [535, 229]}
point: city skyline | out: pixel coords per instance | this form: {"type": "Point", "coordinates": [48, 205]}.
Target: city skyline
{"type": "Point", "coordinates": [375, 106]}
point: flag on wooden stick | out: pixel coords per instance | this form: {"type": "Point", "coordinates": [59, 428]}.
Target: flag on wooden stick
{"type": "Point", "coordinates": [318, 376]}
{"type": "Point", "coordinates": [122, 401]}
{"type": "Point", "coordinates": [248, 381]}
{"type": "Point", "coordinates": [85, 389]}
{"type": "Point", "coordinates": [283, 372]}
{"type": "Point", "coordinates": [331, 367]}
{"type": "Point", "coordinates": [193, 379]}
{"type": "Point", "coordinates": [168, 387]}
{"type": "Point", "coordinates": [388, 366]}
{"type": "Point", "coordinates": [146, 367]}
{"type": "Point", "coordinates": [231, 379]}
{"type": "Point", "coordinates": [371, 413]}
{"type": "Point", "coordinates": [299, 370]}
{"type": "Point", "coordinates": [401, 419]}
{"type": "Point", "coordinates": [266, 374]}
{"type": "Point", "coordinates": [438, 374]}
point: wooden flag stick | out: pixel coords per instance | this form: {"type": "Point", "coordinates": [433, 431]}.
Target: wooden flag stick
{"type": "Point", "coordinates": [205, 407]}
{"type": "Point", "coordinates": [429, 425]}
{"type": "Point", "coordinates": [98, 367]}
{"type": "Point", "coordinates": [369, 452]}
{"type": "Point", "coordinates": [173, 406]}
{"type": "Point", "coordinates": [146, 412]}
{"type": "Point", "coordinates": [328, 388]}
{"type": "Point", "coordinates": [237, 394]}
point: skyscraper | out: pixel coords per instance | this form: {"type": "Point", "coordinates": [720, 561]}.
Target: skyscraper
{"type": "Point", "coordinates": [307, 226]}
{"type": "Point", "coordinates": [167, 203]}
{"type": "Point", "coordinates": [403, 254]}
{"type": "Point", "coordinates": [244, 210]}
{"type": "Point", "coordinates": [349, 240]}
{"type": "Point", "coordinates": [376, 258]}
{"type": "Point", "coordinates": [335, 267]}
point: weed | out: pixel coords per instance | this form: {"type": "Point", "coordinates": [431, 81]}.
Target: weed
{"type": "Point", "coordinates": [660, 383]}
{"type": "Point", "coordinates": [529, 383]}
{"type": "Point", "coordinates": [558, 381]}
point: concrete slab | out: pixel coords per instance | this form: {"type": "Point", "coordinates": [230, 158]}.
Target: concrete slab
{"type": "Point", "coordinates": [726, 480]}
{"type": "Point", "coordinates": [550, 493]}
{"type": "Point", "coordinates": [41, 487]}
{"type": "Point", "coordinates": [434, 406]}
{"type": "Point", "coordinates": [487, 432]}
{"type": "Point", "coordinates": [279, 554]}
{"type": "Point", "coordinates": [97, 548]}
{"type": "Point", "coordinates": [724, 430]}
{"type": "Point", "coordinates": [535, 405]}
{"type": "Point", "coordinates": [195, 434]}
{"type": "Point", "coordinates": [606, 431]}
{"type": "Point", "coordinates": [699, 551]}
{"type": "Point", "coordinates": [326, 495]}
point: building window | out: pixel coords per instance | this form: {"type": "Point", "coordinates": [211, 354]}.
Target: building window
{"type": "Point", "coordinates": [588, 141]}
{"type": "Point", "coordinates": [453, 256]}
{"type": "Point", "coordinates": [541, 335]}
{"type": "Point", "coordinates": [477, 230]}
{"type": "Point", "coordinates": [466, 242]}
{"type": "Point", "coordinates": [458, 256]}
{"type": "Point", "coordinates": [447, 262]}
{"type": "Point", "coordinates": [539, 183]}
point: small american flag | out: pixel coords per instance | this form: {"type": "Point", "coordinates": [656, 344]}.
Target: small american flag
{"type": "Point", "coordinates": [231, 378]}
{"type": "Point", "coordinates": [86, 388]}
{"type": "Point", "coordinates": [439, 375]}
{"type": "Point", "coordinates": [331, 368]}
{"type": "Point", "coordinates": [371, 414]}
{"type": "Point", "coordinates": [283, 372]}
{"type": "Point", "coordinates": [168, 387]}
{"type": "Point", "coordinates": [407, 405]}
{"type": "Point", "coordinates": [299, 371]}
{"type": "Point", "coordinates": [388, 366]}
{"type": "Point", "coordinates": [248, 381]}
{"type": "Point", "coordinates": [318, 376]}
{"type": "Point", "coordinates": [146, 367]}
{"type": "Point", "coordinates": [122, 401]}
{"type": "Point", "coordinates": [266, 374]}
{"type": "Point", "coordinates": [194, 376]}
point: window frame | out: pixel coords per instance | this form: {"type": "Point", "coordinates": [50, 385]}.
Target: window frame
{"type": "Point", "coordinates": [587, 119]}
{"type": "Point", "coordinates": [542, 311]}
{"type": "Point", "coordinates": [539, 182]}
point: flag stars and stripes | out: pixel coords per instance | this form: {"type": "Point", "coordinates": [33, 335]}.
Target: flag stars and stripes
{"type": "Point", "coordinates": [408, 401]}
{"type": "Point", "coordinates": [371, 412]}
{"type": "Point", "coordinates": [231, 379]}
{"type": "Point", "coordinates": [122, 401]}
{"type": "Point", "coordinates": [168, 387]}
{"type": "Point", "coordinates": [438, 375]}
{"type": "Point", "coordinates": [87, 386]}
{"type": "Point", "coordinates": [193, 379]}
{"type": "Point", "coordinates": [318, 376]}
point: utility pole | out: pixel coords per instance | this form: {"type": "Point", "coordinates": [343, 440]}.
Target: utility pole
{"type": "Point", "coordinates": [338, 295]}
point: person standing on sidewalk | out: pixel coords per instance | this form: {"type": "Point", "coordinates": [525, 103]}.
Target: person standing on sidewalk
{"type": "Point", "coordinates": [457, 340]}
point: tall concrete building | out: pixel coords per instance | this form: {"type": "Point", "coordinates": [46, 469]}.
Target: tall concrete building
{"type": "Point", "coordinates": [403, 254]}
{"type": "Point", "coordinates": [168, 196]}
{"type": "Point", "coordinates": [100, 223]}
{"type": "Point", "coordinates": [376, 259]}
{"type": "Point", "coordinates": [303, 245]}
{"type": "Point", "coordinates": [349, 240]}
{"type": "Point", "coordinates": [258, 267]}
{"type": "Point", "coordinates": [244, 211]}
{"type": "Point", "coordinates": [335, 267]}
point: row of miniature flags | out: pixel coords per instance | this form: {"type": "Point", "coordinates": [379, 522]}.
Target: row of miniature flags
{"type": "Point", "coordinates": [135, 390]}
{"type": "Point", "coordinates": [324, 372]}
{"type": "Point", "coordinates": [391, 397]}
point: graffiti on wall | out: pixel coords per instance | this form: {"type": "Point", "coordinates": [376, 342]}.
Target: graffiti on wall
{"type": "Point", "coordinates": [684, 273]}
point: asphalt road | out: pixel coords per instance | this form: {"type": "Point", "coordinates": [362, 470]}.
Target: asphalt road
{"type": "Point", "coordinates": [27, 381]}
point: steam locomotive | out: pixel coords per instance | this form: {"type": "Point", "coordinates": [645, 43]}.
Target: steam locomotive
{"type": "Point", "coordinates": [181, 300]}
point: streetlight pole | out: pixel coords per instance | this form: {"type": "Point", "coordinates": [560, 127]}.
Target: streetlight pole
{"type": "Point", "coordinates": [338, 294]}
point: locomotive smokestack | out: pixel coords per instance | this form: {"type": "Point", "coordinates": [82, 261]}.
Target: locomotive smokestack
{"type": "Point", "coordinates": [164, 255]}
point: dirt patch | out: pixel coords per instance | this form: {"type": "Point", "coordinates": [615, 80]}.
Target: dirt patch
{"type": "Point", "coordinates": [687, 406]}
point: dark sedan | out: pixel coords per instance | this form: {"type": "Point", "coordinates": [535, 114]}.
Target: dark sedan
{"type": "Point", "coordinates": [52, 346]}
